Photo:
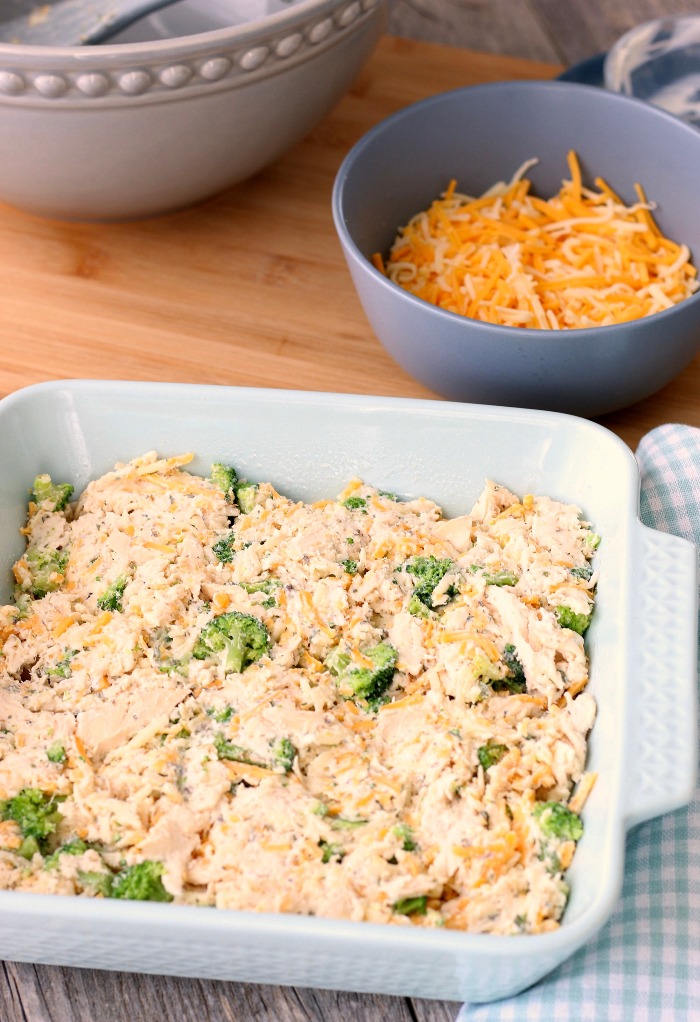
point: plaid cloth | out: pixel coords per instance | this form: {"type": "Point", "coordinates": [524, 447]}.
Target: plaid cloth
{"type": "Point", "coordinates": [644, 966]}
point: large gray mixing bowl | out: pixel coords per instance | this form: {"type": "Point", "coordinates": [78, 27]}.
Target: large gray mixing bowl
{"type": "Point", "coordinates": [480, 135]}
{"type": "Point", "coordinates": [130, 130]}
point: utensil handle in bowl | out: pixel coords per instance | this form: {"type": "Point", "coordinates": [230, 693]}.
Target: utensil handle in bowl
{"type": "Point", "coordinates": [663, 718]}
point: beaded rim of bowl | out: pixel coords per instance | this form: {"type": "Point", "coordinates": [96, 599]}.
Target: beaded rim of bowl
{"type": "Point", "coordinates": [224, 57]}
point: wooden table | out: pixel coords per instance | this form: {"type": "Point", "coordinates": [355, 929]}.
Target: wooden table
{"type": "Point", "coordinates": [249, 288]}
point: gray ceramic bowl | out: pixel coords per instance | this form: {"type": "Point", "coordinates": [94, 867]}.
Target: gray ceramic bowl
{"type": "Point", "coordinates": [130, 130]}
{"type": "Point", "coordinates": [480, 135]}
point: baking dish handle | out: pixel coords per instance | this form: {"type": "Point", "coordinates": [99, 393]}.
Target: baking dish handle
{"type": "Point", "coordinates": [663, 722]}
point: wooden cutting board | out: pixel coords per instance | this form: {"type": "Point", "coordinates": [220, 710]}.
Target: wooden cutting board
{"type": "Point", "coordinates": [249, 288]}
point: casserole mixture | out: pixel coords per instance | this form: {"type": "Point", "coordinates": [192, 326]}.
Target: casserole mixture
{"type": "Point", "coordinates": [214, 695]}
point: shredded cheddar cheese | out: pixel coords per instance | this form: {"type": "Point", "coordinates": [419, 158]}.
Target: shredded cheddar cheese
{"type": "Point", "coordinates": [580, 259]}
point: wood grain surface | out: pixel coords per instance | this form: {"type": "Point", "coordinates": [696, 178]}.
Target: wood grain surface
{"type": "Point", "coordinates": [250, 288]}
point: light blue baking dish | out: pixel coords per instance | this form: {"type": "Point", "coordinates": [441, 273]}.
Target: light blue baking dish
{"type": "Point", "coordinates": [642, 646]}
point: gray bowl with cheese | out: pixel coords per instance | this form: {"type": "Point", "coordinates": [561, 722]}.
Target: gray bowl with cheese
{"type": "Point", "coordinates": [480, 135]}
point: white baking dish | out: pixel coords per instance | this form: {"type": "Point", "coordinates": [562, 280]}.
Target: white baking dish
{"type": "Point", "coordinates": [642, 645]}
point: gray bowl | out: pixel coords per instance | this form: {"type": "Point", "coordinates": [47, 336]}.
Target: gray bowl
{"type": "Point", "coordinates": [135, 129]}
{"type": "Point", "coordinates": [482, 134]}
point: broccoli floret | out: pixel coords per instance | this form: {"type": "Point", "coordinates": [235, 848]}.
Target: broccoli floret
{"type": "Point", "coordinates": [179, 667]}
{"type": "Point", "coordinates": [491, 753]}
{"type": "Point", "coordinates": [268, 586]}
{"type": "Point", "coordinates": [343, 823]}
{"type": "Point", "coordinates": [514, 680]}
{"type": "Point", "coordinates": [330, 851]}
{"type": "Point", "coordinates": [23, 606]}
{"type": "Point", "coordinates": [76, 846]}
{"type": "Point", "coordinates": [111, 598]}
{"type": "Point", "coordinates": [556, 820]}
{"type": "Point", "coordinates": [102, 883]}
{"type": "Point", "coordinates": [371, 683]}
{"type": "Point", "coordinates": [355, 503]}
{"type": "Point", "coordinates": [141, 882]}
{"type": "Point", "coordinates": [235, 639]}
{"type": "Point", "coordinates": [488, 673]}
{"type": "Point", "coordinates": [225, 479]}
{"type": "Point", "coordinates": [284, 753]}
{"type": "Point", "coordinates": [235, 753]}
{"type": "Point", "coordinates": [495, 578]}
{"type": "Point", "coordinates": [429, 572]}
{"type": "Point", "coordinates": [368, 683]}
{"type": "Point", "coordinates": [500, 578]}
{"type": "Point", "coordinates": [417, 608]}
{"type": "Point", "coordinates": [56, 753]}
{"type": "Point", "coordinates": [246, 496]}
{"type": "Point", "coordinates": [412, 906]}
{"type": "Point", "coordinates": [350, 566]}
{"type": "Point", "coordinates": [57, 494]}
{"type": "Point", "coordinates": [388, 494]}
{"type": "Point", "coordinates": [404, 832]}
{"type": "Point", "coordinates": [568, 618]}
{"type": "Point", "coordinates": [37, 816]}
{"type": "Point", "coordinates": [584, 571]}
{"type": "Point", "coordinates": [63, 668]}
{"type": "Point", "coordinates": [237, 491]}
{"type": "Point", "coordinates": [223, 548]}
{"type": "Point", "coordinates": [46, 570]}
{"type": "Point", "coordinates": [222, 716]}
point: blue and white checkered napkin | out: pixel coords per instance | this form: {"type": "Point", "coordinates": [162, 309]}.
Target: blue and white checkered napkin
{"type": "Point", "coordinates": [644, 966]}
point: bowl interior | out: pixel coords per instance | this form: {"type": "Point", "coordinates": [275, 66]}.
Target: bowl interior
{"type": "Point", "coordinates": [190, 17]}
{"type": "Point", "coordinates": [482, 134]}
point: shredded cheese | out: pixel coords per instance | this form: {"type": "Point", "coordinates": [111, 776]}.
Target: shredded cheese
{"type": "Point", "coordinates": [580, 259]}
